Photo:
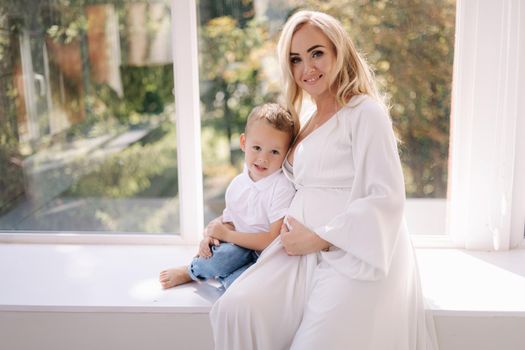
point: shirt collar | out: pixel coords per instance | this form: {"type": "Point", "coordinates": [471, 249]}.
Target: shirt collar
{"type": "Point", "coordinates": [263, 183]}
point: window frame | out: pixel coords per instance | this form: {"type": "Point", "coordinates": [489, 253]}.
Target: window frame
{"type": "Point", "coordinates": [468, 43]}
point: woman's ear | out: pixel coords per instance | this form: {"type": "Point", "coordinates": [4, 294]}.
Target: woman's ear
{"type": "Point", "coordinates": [243, 142]}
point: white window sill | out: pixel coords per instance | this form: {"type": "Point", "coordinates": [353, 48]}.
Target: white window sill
{"type": "Point", "coordinates": [97, 278]}
{"type": "Point", "coordinates": [472, 283]}
{"type": "Point", "coordinates": [124, 278]}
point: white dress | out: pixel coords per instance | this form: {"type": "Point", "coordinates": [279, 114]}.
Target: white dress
{"type": "Point", "coordinates": [362, 294]}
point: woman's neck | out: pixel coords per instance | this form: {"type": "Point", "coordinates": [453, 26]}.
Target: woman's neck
{"type": "Point", "coordinates": [326, 107]}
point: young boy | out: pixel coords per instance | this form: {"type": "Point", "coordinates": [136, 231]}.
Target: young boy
{"type": "Point", "coordinates": [256, 203]}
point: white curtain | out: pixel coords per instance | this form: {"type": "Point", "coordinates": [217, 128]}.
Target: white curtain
{"type": "Point", "coordinates": [487, 197]}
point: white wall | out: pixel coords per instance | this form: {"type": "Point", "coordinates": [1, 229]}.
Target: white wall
{"type": "Point", "coordinates": [101, 331]}
{"type": "Point", "coordinates": [480, 333]}
{"type": "Point", "coordinates": [163, 331]}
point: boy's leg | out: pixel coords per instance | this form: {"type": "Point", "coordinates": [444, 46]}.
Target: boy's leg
{"type": "Point", "coordinates": [228, 280]}
{"type": "Point", "coordinates": [226, 258]}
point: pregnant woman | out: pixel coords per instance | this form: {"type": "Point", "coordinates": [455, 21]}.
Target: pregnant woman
{"type": "Point", "coordinates": [342, 274]}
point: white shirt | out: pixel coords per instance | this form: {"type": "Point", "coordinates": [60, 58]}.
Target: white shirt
{"type": "Point", "coordinates": [253, 206]}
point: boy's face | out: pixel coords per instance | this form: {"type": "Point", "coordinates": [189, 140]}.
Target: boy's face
{"type": "Point", "coordinates": [264, 149]}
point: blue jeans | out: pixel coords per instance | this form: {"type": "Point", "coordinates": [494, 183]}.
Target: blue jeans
{"type": "Point", "coordinates": [227, 263]}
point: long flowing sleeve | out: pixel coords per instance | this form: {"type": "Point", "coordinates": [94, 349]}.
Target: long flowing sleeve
{"type": "Point", "coordinates": [365, 232]}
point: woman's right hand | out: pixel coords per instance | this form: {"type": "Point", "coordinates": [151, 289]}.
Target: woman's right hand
{"type": "Point", "coordinates": [298, 239]}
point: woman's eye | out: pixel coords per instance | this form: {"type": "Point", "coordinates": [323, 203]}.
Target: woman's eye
{"type": "Point", "coordinates": [295, 60]}
{"type": "Point", "coordinates": [317, 53]}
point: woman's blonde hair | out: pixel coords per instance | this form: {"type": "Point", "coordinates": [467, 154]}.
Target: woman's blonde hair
{"type": "Point", "coordinates": [352, 75]}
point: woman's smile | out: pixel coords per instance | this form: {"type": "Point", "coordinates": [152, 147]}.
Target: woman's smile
{"type": "Point", "coordinates": [313, 79]}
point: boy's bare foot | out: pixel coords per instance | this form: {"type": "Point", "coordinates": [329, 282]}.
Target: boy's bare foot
{"type": "Point", "coordinates": [173, 277]}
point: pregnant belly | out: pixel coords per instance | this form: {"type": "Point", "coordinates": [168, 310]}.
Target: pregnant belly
{"type": "Point", "coordinates": [317, 206]}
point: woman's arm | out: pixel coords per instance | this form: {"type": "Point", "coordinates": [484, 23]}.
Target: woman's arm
{"type": "Point", "coordinates": [368, 226]}
{"type": "Point", "coordinates": [255, 241]}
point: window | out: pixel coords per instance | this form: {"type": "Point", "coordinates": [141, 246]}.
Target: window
{"type": "Point", "coordinates": [48, 120]}
{"type": "Point", "coordinates": [87, 117]}
{"type": "Point", "coordinates": [410, 45]}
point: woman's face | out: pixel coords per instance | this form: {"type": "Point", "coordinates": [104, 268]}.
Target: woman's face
{"type": "Point", "coordinates": [312, 59]}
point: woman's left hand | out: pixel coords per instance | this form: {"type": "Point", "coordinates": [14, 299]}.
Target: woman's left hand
{"type": "Point", "coordinates": [297, 239]}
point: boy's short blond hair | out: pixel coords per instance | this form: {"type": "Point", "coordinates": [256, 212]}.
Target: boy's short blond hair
{"type": "Point", "coordinates": [275, 115]}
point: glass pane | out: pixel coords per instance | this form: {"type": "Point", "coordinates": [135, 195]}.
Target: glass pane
{"type": "Point", "coordinates": [87, 117]}
{"type": "Point", "coordinates": [410, 46]}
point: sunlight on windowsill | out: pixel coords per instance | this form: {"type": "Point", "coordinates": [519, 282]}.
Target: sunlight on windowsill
{"type": "Point", "coordinates": [124, 278]}
{"type": "Point", "coordinates": [471, 282]}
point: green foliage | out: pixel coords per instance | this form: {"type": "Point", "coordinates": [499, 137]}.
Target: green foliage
{"type": "Point", "coordinates": [232, 81]}
{"type": "Point", "coordinates": [134, 170]}
{"type": "Point", "coordinates": [147, 92]}
{"type": "Point", "coordinates": [147, 89]}
{"type": "Point", "coordinates": [12, 184]}
{"type": "Point", "coordinates": [11, 175]}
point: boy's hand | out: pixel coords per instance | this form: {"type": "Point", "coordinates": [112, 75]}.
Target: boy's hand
{"type": "Point", "coordinates": [207, 228]}
{"type": "Point", "coordinates": [204, 246]}
{"type": "Point", "coordinates": [218, 230]}
{"type": "Point", "coordinates": [217, 221]}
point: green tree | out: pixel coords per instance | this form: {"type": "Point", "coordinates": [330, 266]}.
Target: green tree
{"type": "Point", "coordinates": [232, 80]}
{"type": "Point", "coordinates": [12, 185]}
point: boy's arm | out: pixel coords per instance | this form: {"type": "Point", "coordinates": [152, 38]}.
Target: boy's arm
{"type": "Point", "coordinates": [255, 241]}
